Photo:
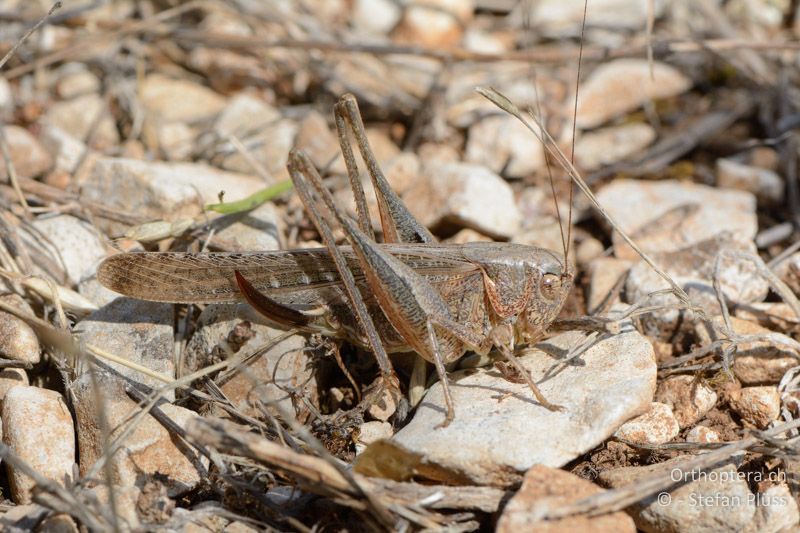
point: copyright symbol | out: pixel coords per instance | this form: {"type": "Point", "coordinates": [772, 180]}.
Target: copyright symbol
{"type": "Point", "coordinates": [664, 498]}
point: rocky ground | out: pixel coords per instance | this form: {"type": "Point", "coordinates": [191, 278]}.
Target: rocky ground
{"type": "Point", "coordinates": [122, 124]}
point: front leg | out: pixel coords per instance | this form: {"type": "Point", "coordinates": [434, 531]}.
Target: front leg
{"type": "Point", "coordinates": [502, 336]}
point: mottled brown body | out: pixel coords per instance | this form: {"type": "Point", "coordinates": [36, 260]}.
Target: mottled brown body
{"type": "Point", "coordinates": [307, 280]}
{"type": "Point", "coordinates": [410, 293]}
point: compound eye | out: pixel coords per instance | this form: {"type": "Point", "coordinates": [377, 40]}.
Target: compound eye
{"type": "Point", "coordinates": [550, 286]}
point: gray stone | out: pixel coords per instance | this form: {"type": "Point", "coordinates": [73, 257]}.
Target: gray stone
{"type": "Point", "coordinates": [557, 18]}
{"type": "Point", "coordinates": [67, 150]}
{"type": "Point", "coordinates": [504, 145]}
{"type": "Point", "coordinates": [766, 184]}
{"type": "Point", "coordinates": [245, 115]}
{"type": "Point", "coordinates": [613, 144]}
{"type": "Point", "coordinates": [499, 430]}
{"type": "Point", "coordinates": [178, 100]}
{"type": "Point", "coordinates": [138, 331]}
{"type": "Point", "coordinates": [657, 426]}
{"type": "Point", "coordinates": [693, 269]}
{"type": "Point", "coordinates": [670, 215]}
{"type": "Point", "coordinates": [258, 229]}
{"type": "Point", "coordinates": [269, 145]}
{"type": "Point", "coordinates": [689, 399]}
{"type": "Point", "coordinates": [464, 195]}
{"type": "Point", "coordinates": [28, 155]}
{"type": "Point", "coordinates": [776, 511]}
{"type": "Point", "coordinates": [622, 85]}
{"type": "Point", "coordinates": [708, 500]}
{"type": "Point", "coordinates": [149, 452]}
{"type": "Point", "coordinates": [37, 426]}
{"type": "Point", "coordinates": [72, 245]}
{"type": "Point", "coordinates": [92, 290]}
{"type": "Point", "coordinates": [163, 190]}
{"type": "Point", "coordinates": [87, 118]}
{"type": "Point", "coordinates": [266, 377]}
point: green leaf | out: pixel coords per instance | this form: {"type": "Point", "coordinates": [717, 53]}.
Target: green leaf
{"type": "Point", "coordinates": [252, 201]}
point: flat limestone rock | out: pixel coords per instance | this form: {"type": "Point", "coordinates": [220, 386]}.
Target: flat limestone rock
{"type": "Point", "coordinates": [163, 189]}
{"type": "Point", "coordinates": [500, 431]}
{"type": "Point", "coordinates": [703, 500]}
{"type": "Point", "coordinates": [464, 195]}
{"type": "Point", "coordinates": [693, 268]}
{"type": "Point", "coordinates": [545, 488]}
{"type": "Point", "coordinates": [149, 452]}
{"type": "Point", "coordinates": [71, 245]}
{"type": "Point", "coordinates": [620, 86]}
{"type": "Point", "coordinates": [266, 377]}
{"type": "Point", "coordinates": [135, 330]}
{"type": "Point", "coordinates": [670, 215]}
{"type": "Point", "coordinates": [38, 428]}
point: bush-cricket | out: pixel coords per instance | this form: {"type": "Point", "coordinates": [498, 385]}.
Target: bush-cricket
{"type": "Point", "coordinates": [408, 293]}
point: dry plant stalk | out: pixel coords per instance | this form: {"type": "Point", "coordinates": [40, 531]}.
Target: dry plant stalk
{"type": "Point", "coordinates": [409, 293]}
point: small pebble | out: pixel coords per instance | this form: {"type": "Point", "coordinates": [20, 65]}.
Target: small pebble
{"type": "Point", "coordinates": [10, 378]}
{"type": "Point", "coordinates": [18, 341]}
{"type": "Point", "coordinates": [690, 399]}
{"type": "Point", "coordinates": [464, 195]}
{"type": "Point", "coordinates": [372, 431]}
{"type": "Point", "coordinates": [178, 100]}
{"type": "Point", "coordinates": [766, 184]}
{"type": "Point", "coordinates": [702, 434]}
{"type": "Point", "coordinates": [28, 155]}
{"type": "Point", "coordinates": [609, 145]}
{"type": "Point", "coordinates": [375, 16]}
{"type": "Point", "coordinates": [37, 426]}
{"type": "Point", "coordinates": [623, 85]}
{"type": "Point", "coordinates": [545, 487]}
{"type": "Point", "coordinates": [588, 249]}
{"type": "Point", "coordinates": [694, 505]}
{"type": "Point", "coordinates": [757, 405]}
{"type": "Point", "coordinates": [434, 23]}
{"type": "Point", "coordinates": [384, 408]}
{"type": "Point", "coordinates": [150, 452]}
{"type": "Point", "coordinates": [86, 118]}
{"type": "Point", "coordinates": [502, 143]}
{"type": "Point", "coordinates": [656, 426]}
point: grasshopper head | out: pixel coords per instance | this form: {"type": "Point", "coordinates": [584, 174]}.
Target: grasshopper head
{"type": "Point", "coordinates": [552, 283]}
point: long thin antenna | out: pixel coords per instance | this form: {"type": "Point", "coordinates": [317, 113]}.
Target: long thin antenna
{"type": "Point", "coordinates": [547, 161]}
{"type": "Point", "coordinates": [575, 123]}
